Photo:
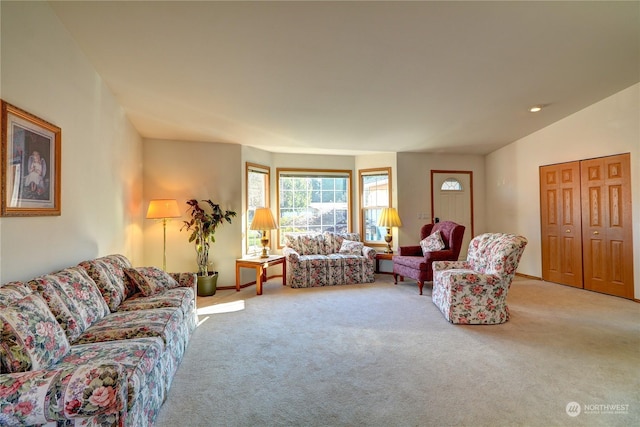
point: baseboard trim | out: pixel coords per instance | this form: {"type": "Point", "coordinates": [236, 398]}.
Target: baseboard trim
{"type": "Point", "coordinates": [526, 276]}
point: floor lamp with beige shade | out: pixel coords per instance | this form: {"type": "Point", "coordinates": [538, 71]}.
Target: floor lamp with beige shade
{"type": "Point", "coordinates": [163, 209]}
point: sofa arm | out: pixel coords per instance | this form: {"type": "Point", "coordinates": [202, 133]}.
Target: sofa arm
{"type": "Point", "coordinates": [410, 250]}
{"type": "Point", "coordinates": [369, 252]}
{"type": "Point", "coordinates": [443, 255]}
{"type": "Point", "coordinates": [82, 391]}
{"type": "Point", "coordinates": [465, 279]}
{"type": "Point", "coordinates": [186, 280]}
{"type": "Point", "coordinates": [449, 265]}
{"type": "Point", "coordinates": [290, 254]}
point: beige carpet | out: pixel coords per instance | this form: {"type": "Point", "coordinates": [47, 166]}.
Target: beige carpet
{"type": "Point", "coordinates": [382, 355]}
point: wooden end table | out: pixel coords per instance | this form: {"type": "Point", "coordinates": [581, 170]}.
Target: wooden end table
{"type": "Point", "coordinates": [385, 256]}
{"type": "Point", "coordinates": [260, 265]}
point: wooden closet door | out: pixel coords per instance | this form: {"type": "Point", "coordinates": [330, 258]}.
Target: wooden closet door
{"type": "Point", "coordinates": [561, 224]}
{"type": "Point", "coordinates": [607, 225]}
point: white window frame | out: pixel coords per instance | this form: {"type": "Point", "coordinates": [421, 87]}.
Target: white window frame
{"type": "Point", "coordinates": [252, 170]}
{"type": "Point", "coordinates": [371, 204]}
{"type": "Point", "coordinates": [313, 207]}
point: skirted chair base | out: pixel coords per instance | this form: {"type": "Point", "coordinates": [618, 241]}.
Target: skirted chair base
{"type": "Point", "coordinates": [481, 302]}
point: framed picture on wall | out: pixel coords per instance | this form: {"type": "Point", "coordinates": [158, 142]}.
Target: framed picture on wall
{"type": "Point", "coordinates": [30, 164]}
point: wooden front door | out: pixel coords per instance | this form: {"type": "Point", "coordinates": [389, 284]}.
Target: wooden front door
{"type": "Point", "coordinates": [454, 204]}
{"type": "Point", "coordinates": [561, 224]}
{"type": "Point", "coordinates": [607, 226]}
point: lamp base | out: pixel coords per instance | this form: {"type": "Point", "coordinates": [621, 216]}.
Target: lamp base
{"type": "Point", "coordinates": [388, 239]}
{"type": "Point", "coordinates": [265, 242]}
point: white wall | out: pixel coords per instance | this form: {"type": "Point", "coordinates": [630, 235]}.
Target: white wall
{"type": "Point", "coordinates": [185, 170]}
{"type": "Point", "coordinates": [414, 189]}
{"type": "Point", "coordinates": [611, 126]}
{"type": "Point", "coordinates": [45, 73]}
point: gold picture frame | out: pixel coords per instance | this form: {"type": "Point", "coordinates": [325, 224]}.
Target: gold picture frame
{"type": "Point", "coordinates": [30, 164]}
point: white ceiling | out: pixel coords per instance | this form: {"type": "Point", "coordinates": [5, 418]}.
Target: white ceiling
{"type": "Point", "coordinates": [363, 76]}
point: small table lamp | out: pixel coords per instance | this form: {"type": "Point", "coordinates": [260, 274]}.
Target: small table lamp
{"type": "Point", "coordinates": [263, 221]}
{"type": "Point", "coordinates": [389, 218]}
{"type": "Point", "coordinates": [163, 209]}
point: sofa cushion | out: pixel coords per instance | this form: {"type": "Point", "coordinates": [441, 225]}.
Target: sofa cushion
{"type": "Point", "coordinates": [177, 297]}
{"type": "Point", "coordinates": [160, 322]}
{"type": "Point", "coordinates": [85, 293]}
{"type": "Point", "coordinates": [13, 291]}
{"type": "Point", "coordinates": [112, 290]}
{"type": "Point", "coordinates": [350, 247]}
{"type": "Point", "coordinates": [62, 306]}
{"type": "Point", "coordinates": [306, 244]}
{"type": "Point", "coordinates": [150, 280]}
{"type": "Point", "coordinates": [31, 337]}
{"type": "Point", "coordinates": [432, 242]}
{"type": "Point", "coordinates": [119, 263]}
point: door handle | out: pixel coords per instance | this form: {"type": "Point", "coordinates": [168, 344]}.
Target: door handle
{"type": "Point", "coordinates": [596, 232]}
{"type": "Point", "coordinates": [567, 231]}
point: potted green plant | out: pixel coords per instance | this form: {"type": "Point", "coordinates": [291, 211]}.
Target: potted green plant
{"type": "Point", "coordinates": [202, 225]}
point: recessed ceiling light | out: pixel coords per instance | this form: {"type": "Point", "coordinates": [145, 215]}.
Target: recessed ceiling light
{"type": "Point", "coordinates": [535, 108]}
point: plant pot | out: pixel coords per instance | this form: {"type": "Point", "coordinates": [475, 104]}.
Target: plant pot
{"type": "Point", "coordinates": [207, 284]}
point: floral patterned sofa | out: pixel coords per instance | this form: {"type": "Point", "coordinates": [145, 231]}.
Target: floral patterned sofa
{"type": "Point", "coordinates": [325, 259]}
{"type": "Point", "coordinates": [96, 344]}
{"type": "Point", "coordinates": [475, 291]}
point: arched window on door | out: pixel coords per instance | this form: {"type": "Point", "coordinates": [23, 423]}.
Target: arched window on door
{"type": "Point", "coordinates": [451, 184]}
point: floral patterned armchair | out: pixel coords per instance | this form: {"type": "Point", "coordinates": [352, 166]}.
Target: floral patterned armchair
{"type": "Point", "coordinates": [413, 262]}
{"type": "Point", "coordinates": [475, 291]}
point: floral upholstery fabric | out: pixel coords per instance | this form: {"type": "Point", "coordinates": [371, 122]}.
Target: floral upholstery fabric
{"type": "Point", "coordinates": [118, 263]}
{"type": "Point", "coordinates": [475, 291]}
{"type": "Point", "coordinates": [73, 298]}
{"type": "Point", "coordinates": [31, 336]}
{"type": "Point", "coordinates": [112, 290]}
{"type": "Point", "coordinates": [102, 384]}
{"type": "Point", "coordinates": [350, 247]}
{"type": "Point", "coordinates": [150, 280]}
{"type": "Point", "coordinates": [166, 323]}
{"type": "Point", "coordinates": [182, 298]}
{"type": "Point", "coordinates": [79, 287]}
{"type": "Point", "coordinates": [13, 291]}
{"type": "Point", "coordinates": [62, 305]}
{"type": "Point", "coordinates": [326, 266]}
{"type": "Point", "coordinates": [333, 241]}
{"type": "Point", "coordinates": [120, 364]}
{"type": "Point", "coordinates": [306, 244]}
{"type": "Point", "coordinates": [432, 242]}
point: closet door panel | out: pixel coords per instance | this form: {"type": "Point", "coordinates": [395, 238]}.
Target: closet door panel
{"type": "Point", "coordinates": [561, 224]}
{"type": "Point", "coordinates": [607, 227]}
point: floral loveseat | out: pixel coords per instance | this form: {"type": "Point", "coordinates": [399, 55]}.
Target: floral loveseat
{"type": "Point", "coordinates": [322, 259]}
{"type": "Point", "coordinates": [96, 344]}
{"type": "Point", "coordinates": [475, 291]}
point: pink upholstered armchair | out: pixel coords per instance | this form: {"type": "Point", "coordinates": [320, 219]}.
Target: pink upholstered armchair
{"type": "Point", "coordinates": [413, 263]}
{"type": "Point", "coordinates": [475, 291]}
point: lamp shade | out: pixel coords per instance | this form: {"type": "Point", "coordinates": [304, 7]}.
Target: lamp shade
{"type": "Point", "coordinates": [163, 208]}
{"type": "Point", "coordinates": [389, 218]}
{"type": "Point", "coordinates": [263, 220]}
